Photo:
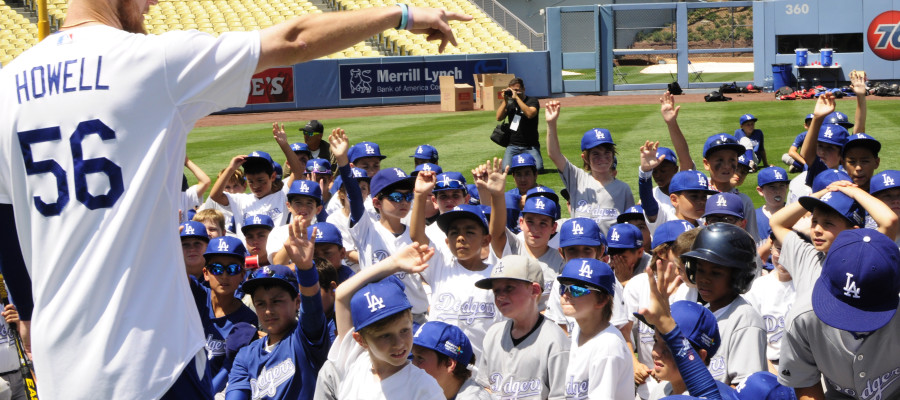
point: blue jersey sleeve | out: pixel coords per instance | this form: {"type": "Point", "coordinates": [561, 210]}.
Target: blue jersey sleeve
{"type": "Point", "coordinates": [312, 319]}
{"type": "Point", "coordinates": [648, 202]}
{"type": "Point", "coordinates": [814, 169]}
{"type": "Point", "coordinates": [512, 210]}
{"type": "Point", "coordinates": [697, 379]}
{"type": "Point", "coordinates": [354, 194]}
{"type": "Point", "coordinates": [12, 264]}
{"type": "Point", "coordinates": [239, 377]}
{"type": "Point", "coordinates": [798, 141]}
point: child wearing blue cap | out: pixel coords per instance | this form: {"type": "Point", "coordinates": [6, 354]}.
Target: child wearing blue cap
{"type": "Point", "coordinates": [365, 155]}
{"type": "Point", "coordinates": [859, 157]}
{"type": "Point", "coordinates": [283, 364]}
{"type": "Point", "coordinates": [600, 363]}
{"type": "Point", "coordinates": [523, 169]}
{"type": "Point", "coordinates": [256, 230]}
{"type": "Point", "coordinates": [823, 143]}
{"type": "Point", "coordinates": [725, 207]}
{"type": "Point", "coordinates": [688, 192]}
{"type": "Point", "coordinates": [445, 353]}
{"type": "Point", "coordinates": [375, 332]}
{"type": "Point", "coordinates": [836, 208]}
{"type": "Point", "coordinates": [538, 224]}
{"type": "Point", "coordinates": [755, 136]}
{"type": "Point", "coordinates": [634, 215]}
{"type": "Point", "coordinates": [626, 251]}
{"type": "Point", "coordinates": [193, 242]}
{"type": "Point", "coordinates": [846, 331]}
{"type": "Point", "coordinates": [771, 185]}
{"type": "Point", "coordinates": [454, 271]}
{"type": "Point", "coordinates": [425, 153]}
{"type": "Point", "coordinates": [304, 200]}
{"type": "Point", "coordinates": [595, 192]}
{"type": "Point", "coordinates": [444, 191]}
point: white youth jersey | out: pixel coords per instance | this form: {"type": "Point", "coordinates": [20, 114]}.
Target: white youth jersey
{"type": "Point", "coordinates": [772, 299]}
{"type": "Point", "coordinates": [601, 368]}
{"type": "Point", "coordinates": [92, 144]}
{"type": "Point", "coordinates": [591, 199]}
{"type": "Point", "coordinates": [190, 200]}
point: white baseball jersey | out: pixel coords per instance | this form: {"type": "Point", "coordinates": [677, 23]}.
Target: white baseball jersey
{"type": "Point", "coordinates": [535, 369]}
{"type": "Point", "coordinates": [92, 144]}
{"type": "Point", "coordinates": [591, 199]}
{"type": "Point", "coordinates": [637, 296]}
{"type": "Point", "coordinates": [439, 240]}
{"type": "Point", "coordinates": [470, 390]}
{"type": "Point", "coordinates": [601, 368]}
{"type": "Point", "coordinates": [190, 199]}
{"type": "Point", "coordinates": [354, 367]}
{"type": "Point", "coordinates": [551, 263]}
{"type": "Point", "coordinates": [244, 205]}
{"type": "Point", "coordinates": [456, 301]}
{"type": "Point", "coordinates": [663, 200]}
{"type": "Point", "coordinates": [342, 222]}
{"type": "Point", "coordinates": [797, 188]}
{"type": "Point", "coordinates": [853, 368]}
{"type": "Point", "coordinates": [743, 347]}
{"type": "Point", "coordinates": [375, 243]}
{"type": "Point", "coordinates": [772, 299]}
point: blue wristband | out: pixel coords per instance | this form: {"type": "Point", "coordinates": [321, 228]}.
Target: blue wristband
{"type": "Point", "coordinates": [308, 277]}
{"type": "Point", "coordinates": [404, 16]}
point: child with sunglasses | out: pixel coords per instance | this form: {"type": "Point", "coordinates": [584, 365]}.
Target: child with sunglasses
{"type": "Point", "coordinates": [378, 237]}
{"type": "Point", "coordinates": [218, 308]}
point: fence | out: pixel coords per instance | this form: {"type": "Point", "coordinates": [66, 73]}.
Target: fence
{"type": "Point", "coordinates": [529, 37]}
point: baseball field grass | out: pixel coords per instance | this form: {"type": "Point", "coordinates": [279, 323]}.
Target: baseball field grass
{"type": "Point", "coordinates": [462, 138]}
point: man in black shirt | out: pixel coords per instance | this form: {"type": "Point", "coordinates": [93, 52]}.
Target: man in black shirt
{"type": "Point", "coordinates": [521, 112]}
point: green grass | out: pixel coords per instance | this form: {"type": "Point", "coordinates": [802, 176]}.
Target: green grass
{"type": "Point", "coordinates": [463, 138]}
{"type": "Point", "coordinates": [634, 75]}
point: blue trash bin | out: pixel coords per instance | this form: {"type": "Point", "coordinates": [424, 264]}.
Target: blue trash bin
{"type": "Point", "coordinates": [782, 75]}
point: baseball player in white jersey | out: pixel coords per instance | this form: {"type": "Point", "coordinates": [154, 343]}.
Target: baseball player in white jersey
{"type": "Point", "coordinates": [111, 308]}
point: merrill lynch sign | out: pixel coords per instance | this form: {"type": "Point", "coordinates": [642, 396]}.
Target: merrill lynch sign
{"type": "Point", "coordinates": [409, 79]}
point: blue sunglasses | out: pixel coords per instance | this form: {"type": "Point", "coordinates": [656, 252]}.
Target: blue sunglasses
{"type": "Point", "coordinates": [219, 269]}
{"type": "Point", "coordinates": [396, 197]}
{"type": "Point", "coordinates": [576, 290]}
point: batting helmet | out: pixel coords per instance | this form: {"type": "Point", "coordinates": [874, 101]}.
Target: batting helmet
{"type": "Point", "coordinates": [839, 118]}
{"type": "Point", "coordinates": [726, 245]}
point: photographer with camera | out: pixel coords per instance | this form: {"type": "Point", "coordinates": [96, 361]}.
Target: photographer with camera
{"type": "Point", "coordinates": [521, 113]}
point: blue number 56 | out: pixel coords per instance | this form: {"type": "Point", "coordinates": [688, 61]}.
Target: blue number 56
{"type": "Point", "coordinates": [81, 167]}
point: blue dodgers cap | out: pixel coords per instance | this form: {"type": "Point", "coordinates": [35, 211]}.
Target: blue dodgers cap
{"type": "Point", "coordinates": [428, 167]}
{"type": "Point", "coordinates": [390, 178]}
{"type": "Point", "coordinates": [462, 211]}
{"type": "Point", "coordinates": [301, 147]}
{"type": "Point", "coordinates": [425, 152]}
{"type": "Point", "coordinates": [365, 149]}
{"type": "Point", "coordinates": [194, 229]}
{"type": "Point", "coordinates": [474, 198]}
{"type": "Point", "coordinates": [809, 117]}
{"type": "Point", "coordinates": [261, 155]}
{"type": "Point", "coordinates": [522, 160]}
{"type": "Point", "coordinates": [669, 231]}
{"type": "Point", "coordinates": [839, 118]}
{"type": "Point", "coordinates": [839, 203]}
{"type": "Point", "coordinates": [377, 301]}
{"type": "Point", "coordinates": [698, 325]}
{"type": "Point", "coordinates": [884, 180]}
{"type": "Point", "coordinates": [748, 118]}
{"type": "Point", "coordinates": [857, 290]}
{"type": "Point", "coordinates": [721, 141]}
{"type": "Point", "coordinates": [861, 140]}
{"type": "Point", "coordinates": [625, 236]}
{"type": "Point", "coordinates": [358, 173]}
{"type": "Point", "coordinates": [303, 187]}
{"type": "Point", "coordinates": [580, 232]}
{"type": "Point", "coordinates": [281, 275]}
{"type": "Point", "coordinates": [541, 205]}
{"type": "Point", "coordinates": [257, 221]}
{"type": "Point", "coordinates": [596, 137]}
{"type": "Point", "coordinates": [279, 172]}
{"type": "Point", "coordinates": [227, 246]}
{"type": "Point", "coordinates": [635, 211]}
{"type": "Point", "coordinates": [690, 180]}
{"type": "Point", "coordinates": [763, 385]}
{"type": "Point", "coordinates": [769, 175]}
{"type": "Point", "coordinates": [833, 134]}
{"type": "Point", "coordinates": [319, 166]}
{"type": "Point", "coordinates": [590, 272]}
{"type": "Point", "coordinates": [486, 210]}
{"type": "Point", "coordinates": [670, 155]}
{"type": "Point", "coordinates": [542, 191]}
{"type": "Point", "coordinates": [446, 339]}
{"type": "Point", "coordinates": [450, 181]}
{"type": "Point", "coordinates": [326, 233]}
{"type": "Point", "coordinates": [746, 158]}
{"type": "Point", "coordinates": [725, 203]}
{"type": "Point", "coordinates": [827, 177]}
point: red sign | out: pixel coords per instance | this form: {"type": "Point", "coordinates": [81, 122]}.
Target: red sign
{"type": "Point", "coordinates": [883, 35]}
{"type": "Point", "coordinates": [274, 85]}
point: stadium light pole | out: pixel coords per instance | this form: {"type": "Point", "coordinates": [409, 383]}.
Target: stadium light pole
{"type": "Point", "coordinates": [43, 22]}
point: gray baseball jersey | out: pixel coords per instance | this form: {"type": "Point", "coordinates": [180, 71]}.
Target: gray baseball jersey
{"type": "Point", "coordinates": [743, 348]}
{"type": "Point", "coordinates": [591, 199]}
{"type": "Point", "coordinates": [471, 390]}
{"type": "Point", "coordinates": [854, 369]}
{"type": "Point", "coordinates": [551, 263]}
{"type": "Point", "coordinates": [535, 369]}
{"type": "Point", "coordinates": [802, 260]}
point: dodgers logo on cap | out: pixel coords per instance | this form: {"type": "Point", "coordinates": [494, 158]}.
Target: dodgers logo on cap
{"type": "Point", "coordinates": [580, 232]}
{"type": "Point", "coordinates": [378, 300]}
{"type": "Point", "coordinates": [589, 272]}
{"type": "Point", "coordinates": [226, 245]}
{"type": "Point", "coordinates": [625, 236]}
{"type": "Point", "coordinates": [577, 229]}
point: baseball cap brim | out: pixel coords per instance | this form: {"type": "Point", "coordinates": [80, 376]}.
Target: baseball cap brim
{"type": "Point", "coordinates": [810, 203]}
{"type": "Point", "coordinates": [486, 283]}
{"type": "Point", "coordinates": [201, 237]}
{"type": "Point", "coordinates": [842, 316]}
{"type": "Point", "coordinates": [581, 241]}
{"type": "Point", "coordinates": [444, 220]}
{"type": "Point", "coordinates": [250, 285]}
{"type": "Point", "coordinates": [739, 148]}
{"type": "Point", "coordinates": [628, 216]}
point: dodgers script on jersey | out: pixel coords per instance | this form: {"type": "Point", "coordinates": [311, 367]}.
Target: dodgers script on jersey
{"type": "Point", "coordinates": [92, 144]}
{"type": "Point", "coordinates": [590, 199]}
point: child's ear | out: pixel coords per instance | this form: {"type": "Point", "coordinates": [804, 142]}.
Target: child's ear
{"type": "Point", "coordinates": [332, 286]}
{"type": "Point", "coordinates": [358, 337]}
{"type": "Point", "coordinates": [486, 240]}
{"type": "Point", "coordinates": [706, 164]}
{"type": "Point", "coordinates": [536, 289]}
{"type": "Point", "coordinates": [318, 210]}
{"type": "Point", "coordinates": [450, 365]}
{"type": "Point", "coordinates": [759, 190]}
{"type": "Point", "coordinates": [703, 354]}
{"type": "Point", "coordinates": [674, 198]}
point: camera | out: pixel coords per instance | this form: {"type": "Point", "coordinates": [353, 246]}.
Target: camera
{"type": "Point", "coordinates": [507, 93]}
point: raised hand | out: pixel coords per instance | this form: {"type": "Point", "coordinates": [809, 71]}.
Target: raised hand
{"type": "Point", "coordinates": [339, 145]}
{"type": "Point", "coordinates": [649, 161]}
{"type": "Point", "coordinates": [434, 24]}
{"type": "Point", "coordinates": [858, 82]}
{"type": "Point", "coordinates": [824, 105]}
{"type": "Point", "coordinates": [496, 181]}
{"type": "Point", "coordinates": [237, 161]}
{"type": "Point", "coordinates": [298, 246]}
{"type": "Point", "coordinates": [413, 258]}
{"type": "Point", "coordinates": [666, 283]}
{"type": "Point", "coordinates": [667, 107]}
{"type": "Point", "coordinates": [425, 182]}
{"type": "Point", "coordinates": [551, 111]}
{"type": "Point", "coordinates": [278, 133]}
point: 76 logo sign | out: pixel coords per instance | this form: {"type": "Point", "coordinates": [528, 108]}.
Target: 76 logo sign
{"type": "Point", "coordinates": [883, 35]}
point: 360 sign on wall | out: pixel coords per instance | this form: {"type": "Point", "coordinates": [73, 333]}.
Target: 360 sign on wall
{"type": "Point", "coordinates": [883, 35]}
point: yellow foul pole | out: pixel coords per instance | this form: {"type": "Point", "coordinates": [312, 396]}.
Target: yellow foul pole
{"type": "Point", "coordinates": [43, 21]}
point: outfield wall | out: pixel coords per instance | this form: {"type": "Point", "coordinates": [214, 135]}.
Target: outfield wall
{"type": "Point", "coordinates": [387, 80]}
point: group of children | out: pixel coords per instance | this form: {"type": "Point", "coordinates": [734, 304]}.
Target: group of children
{"type": "Point", "coordinates": [340, 279]}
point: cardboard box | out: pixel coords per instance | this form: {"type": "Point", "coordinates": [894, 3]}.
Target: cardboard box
{"type": "Point", "coordinates": [489, 90]}
{"type": "Point", "coordinates": [456, 97]}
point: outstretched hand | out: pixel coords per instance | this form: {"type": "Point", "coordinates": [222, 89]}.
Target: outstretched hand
{"type": "Point", "coordinates": [858, 82]}
{"type": "Point", "coordinates": [551, 111]}
{"type": "Point", "coordinates": [298, 246]}
{"type": "Point", "coordinates": [649, 161]}
{"type": "Point", "coordinates": [666, 283]}
{"type": "Point", "coordinates": [339, 145]}
{"type": "Point", "coordinates": [667, 107]}
{"type": "Point", "coordinates": [413, 258]}
{"type": "Point", "coordinates": [278, 133]}
{"type": "Point", "coordinates": [496, 174]}
{"type": "Point", "coordinates": [824, 105]}
{"type": "Point", "coordinates": [434, 23]}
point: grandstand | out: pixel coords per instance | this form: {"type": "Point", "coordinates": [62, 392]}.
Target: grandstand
{"type": "Point", "coordinates": [481, 35]}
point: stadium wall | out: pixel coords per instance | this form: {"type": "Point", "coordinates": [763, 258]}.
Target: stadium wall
{"type": "Point", "coordinates": [387, 80]}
